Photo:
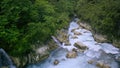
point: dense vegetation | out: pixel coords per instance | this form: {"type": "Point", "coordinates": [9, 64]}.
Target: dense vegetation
{"type": "Point", "coordinates": [102, 15]}
{"type": "Point", "coordinates": [27, 22]}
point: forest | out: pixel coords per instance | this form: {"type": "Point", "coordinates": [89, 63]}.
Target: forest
{"type": "Point", "coordinates": [27, 22]}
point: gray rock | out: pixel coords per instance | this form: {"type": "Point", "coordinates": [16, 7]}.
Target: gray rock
{"type": "Point", "coordinates": [100, 38]}
{"type": "Point", "coordinates": [102, 65]}
{"type": "Point", "coordinates": [85, 25]}
{"type": "Point", "coordinates": [80, 45]}
{"type": "Point", "coordinates": [77, 33]}
{"type": "Point", "coordinates": [74, 37]}
{"type": "Point", "coordinates": [90, 61]}
{"type": "Point", "coordinates": [56, 62]}
{"type": "Point", "coordinates": [71, 54]}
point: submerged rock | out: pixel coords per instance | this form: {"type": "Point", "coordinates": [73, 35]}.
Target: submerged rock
{"type": "Point", "coordinates": [75, 50]}
{"type": "Point", "coordinates": [90, 61]}
{"type": "Point", "coordinates": [74, 37]}
{"type": "Point", "coordinates": [117, 58]}
{"type": "Point", "coordinates": [86, 32]}
{"type": "Point", "coordinates": [71, 54]}
{"type": "Point", "coordinates": [77, 33]}
{"type": "Point", "coordinates": [56, 62]}
{"type": "Point", "coordinates": [102, 65]}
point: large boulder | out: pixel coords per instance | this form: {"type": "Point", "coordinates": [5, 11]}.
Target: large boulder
{"type": "Point", "coordinates": [73, 30]}
{"type": "Point", "coordinates": [100, 38]}
{"type": "Point", "coordinates": [85, 25]}
{"type": "Point", "coordinates": [102, 65]}
{"type": "Point", "coordinates": [71, 54]}
{"type": "Point", "coordinates": [42, 50]}
{"type": "Point", "coordinates": [67, 43]}
{"type": "Point", "coordinates": [80, 45]}
{"type": "Point", "coordinates": [62, 36]}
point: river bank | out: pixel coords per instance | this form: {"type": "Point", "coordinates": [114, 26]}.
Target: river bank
{"type": "Point", "coordinates": [99, 37]}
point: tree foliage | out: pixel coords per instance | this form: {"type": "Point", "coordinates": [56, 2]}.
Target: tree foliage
{"type": "Point", "coordinates": [27, 22]}
{"type": "Point", "coordinates": [103, 15]}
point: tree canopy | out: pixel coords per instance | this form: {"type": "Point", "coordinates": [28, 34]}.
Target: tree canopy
{"type": "Point", "coordinates": [27, 22]}
{"type": "Point", "coordinates": [102, 15]}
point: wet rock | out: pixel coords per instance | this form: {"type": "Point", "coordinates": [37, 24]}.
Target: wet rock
{"type": "Point", "coordinates": [85, 25]}
{"type": "Point", "coordinates": [79, 28]}
{"type": "Point", "coordinates": [67, 43]}
{"type": "Point", "coordinates": [75, 50]}
{"type": "Point", "coordinates": [117, 58]}
{"type": "Point", "coordinates": [77, 33]}
{"type": "Point", "coordinates": [90, 61]}
{"type": "Point", "coordinates": [100, 38]}
{"type": "Point", "coordinates": [56, 62]}
{"type": "Point", "coordinates": [52, 45]}
{"type": "Point", "coordinates": [97, 43]}
{"type": "Point", "coordinates": [86, 32]}
{"type": "Point", "coordinates": [63, 59]}
{"type": "Point", "coordinates": [71, 54]}
{"type": "Point", "coordinates": [80, 50]}
{"type": "Point", "coordinates": [80, 45]}
{"type": "Point", "coordinates": [116, 43]}
{"type": "Point", "coordinates": [102, 65]}
{"type": "Point", "coordinates": [63, 38]}
{"type": "Point", "coordinates": [62, 35]}
{"type": "Point", "coordinates": [16, 61]}
{"type": "Point", "coordinates": [74, 37]}
{"type": "Point", "coordinates": [42, 50]}
{"type": "Point", "coordinates": [73, 30]}
{"type": "Point", "coordinates": [20, 61]}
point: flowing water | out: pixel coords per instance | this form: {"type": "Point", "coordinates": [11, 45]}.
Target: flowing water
{"type": "Point", "coordinates": [96, 52]}
{"type": "Point", "coordinates": [5, 60]}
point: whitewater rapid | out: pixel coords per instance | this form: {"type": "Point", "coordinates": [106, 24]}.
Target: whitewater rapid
{"type": "Point", "coordinates": [97, 52]}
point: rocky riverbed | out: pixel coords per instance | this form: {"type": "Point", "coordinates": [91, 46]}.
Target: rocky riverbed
{"type": "Point", "coordinates": [80, 50]}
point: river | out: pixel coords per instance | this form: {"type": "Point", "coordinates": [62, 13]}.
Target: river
{"type": "Point", "coordinates": [102, 53]}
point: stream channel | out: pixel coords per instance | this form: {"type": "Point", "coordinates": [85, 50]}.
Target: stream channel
{"type": "Point", "coordinates": [97, 55]}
